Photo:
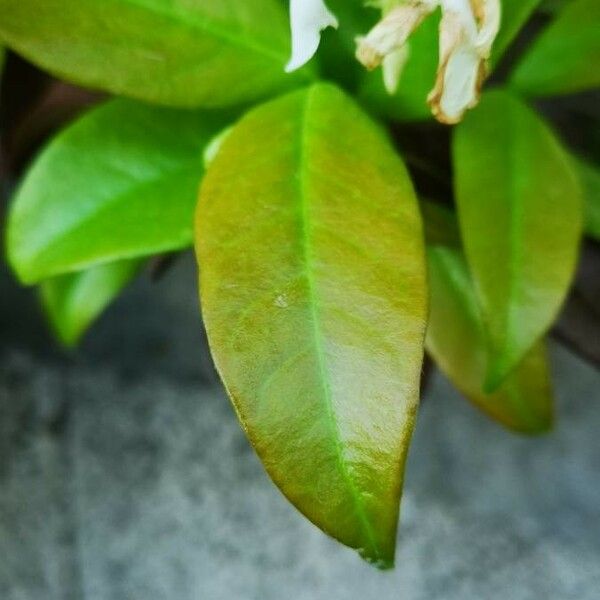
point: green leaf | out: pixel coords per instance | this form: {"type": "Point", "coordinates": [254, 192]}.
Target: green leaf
{"type": "Point", "coordinates": [553, 6]}
{"type": "Point", "coordinates": [313, 294]}
{"type": "Point", "coordinates": [520, 212]}
{"type": "Point", "coordinates": [175, 52]}
{"type": "Point", "coordinates": [515, 13]}
{"type": "Point", "coordinates": [2, 63]}
{"type": "Point", "coordinates": [590, 178]}
{"type": "Point", "coordinates": [441, 228]}
{"type": "Point", "coordinates": [565, 58]}
{"type": "Point", "coordinates": [73, 302]}
{"type": "Point", "coordinates": [119, 183]}
{"type": "Point", "coordinates": [456, 342]}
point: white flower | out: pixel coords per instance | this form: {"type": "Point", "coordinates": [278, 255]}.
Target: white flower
{"type": "Point", "coordinates": [393, 31]}
{"type": "Point", "coordinates": [308, 18]}
{"type": "Point", "coordinates": [393, 67]}
{"type": "Point", "coordinates": [467, 33]}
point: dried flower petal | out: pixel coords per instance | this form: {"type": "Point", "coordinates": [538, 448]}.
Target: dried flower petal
{"type": "Point", "coordinates": [392, 32]}
{"type": "Point", "coordinates": [467, 32]}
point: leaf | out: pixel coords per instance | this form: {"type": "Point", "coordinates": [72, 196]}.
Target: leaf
{"type": "Point", "coordinates": [313, 294]}
{"type": "Point", "coordinates": [441, 228]}
{"type": "Point", "coordinates": [565, 58]}
{"type": "Point", "coordinates": [590, 178]}
{"type": "Point", "coordinates": [73, 302]}
{"type": "Point", "coordinates": [456, 342]}
{"type": "Point", "coordinates": [515, 13]}
{"type": "Point", "coordinates": [520, 212]}
{"type": "Point", "coordinates": [2, 65]}
{"type": "Point", "coordinates": [119, 183]}
{"type": "Point", "coordinates": [175, 52]}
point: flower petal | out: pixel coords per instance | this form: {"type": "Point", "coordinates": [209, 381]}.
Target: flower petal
{"type": "Point", "coordinates": [467, 32]}
{"type": "Point", "coordinates": [393, 66]}
{"type": "Point", "coordinates": [489, 14]}
{"type": "Point", "coordinates": [308, 18]}
{"type": "Point", "coordinates": [392, 32]}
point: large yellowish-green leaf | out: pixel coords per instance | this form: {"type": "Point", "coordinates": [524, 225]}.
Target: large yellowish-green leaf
{"type": "Point", "coordinates": [204, 53]}
{"type": "Point", "coordinates": [566, 56]}
{"type": "Point", "coordinates": [119, 183]}
{"type": "Point", "coordinates": [73, 302]}
{"type": "Point", "coordinates": [520, 212]}
{"type": "Point", "coordinates": [313, 294]}
{"type": "Point", "coordinates": [456, 341]}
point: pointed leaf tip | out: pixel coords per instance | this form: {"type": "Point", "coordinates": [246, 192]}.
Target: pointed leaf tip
{"type": "Point", "coordinates": [314, 303]}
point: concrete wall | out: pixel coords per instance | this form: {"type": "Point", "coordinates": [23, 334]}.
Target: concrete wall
{"type": "Point", "coordinates": [125, 476]}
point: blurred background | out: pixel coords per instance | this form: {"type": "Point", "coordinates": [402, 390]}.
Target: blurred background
{"type": "Point", "coordinates": [124, 474]}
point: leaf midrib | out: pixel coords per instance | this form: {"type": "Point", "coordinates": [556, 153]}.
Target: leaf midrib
{"type": "Point", "coordinates": [308, 259]}
{"type": "Point", "coordinates": [514, 230]}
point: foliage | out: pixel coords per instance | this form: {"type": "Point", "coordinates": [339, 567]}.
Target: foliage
{"type": "Point", "coordinates": [319, 290]}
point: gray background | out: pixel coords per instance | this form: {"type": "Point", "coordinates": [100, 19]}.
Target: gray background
{"type": "Point", "coordinates": [125, 476]}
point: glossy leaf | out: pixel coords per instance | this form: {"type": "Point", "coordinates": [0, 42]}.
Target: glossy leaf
{"type": "Point", "coordinates": [520, 212]}
{"type": "Point", "coordinates": [590, 179]}
{"type": "Point", "coordinates": [456, 342]}
{"type": "Point", "coordinates": [73, 302]}
{"type": "Point", "coordinates": [119, 183]}
{"type": "Point", "coordinates": [175, 52]}
{"type": "Point", "coordinates": [565, 58]}
{"type": "Point", "coordinates": [313, 295]}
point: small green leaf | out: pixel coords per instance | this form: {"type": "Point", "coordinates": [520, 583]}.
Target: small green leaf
{"type": "Point", "coordinates": [590, 179]}
{"type": "Point", "coordinates": [313, 294]}
{"type": "Point", "coordinates": [73, 302]}
{"type": "Point", "coordinates": [520, 212]}
{"type": "Point", "coordinates": [456, 342]}
{"type": "Point", "coordinates": [191, 54]}
{"type": "Point", "coordinates": [565, 58]}
{"type": "Point", "coordinates": [119, 183]}
{"type": "Point", "coordinates": [515, 13]}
